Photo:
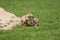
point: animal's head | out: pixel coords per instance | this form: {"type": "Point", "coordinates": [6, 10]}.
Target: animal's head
{"type": "Point", "coordinates": [29, 15]}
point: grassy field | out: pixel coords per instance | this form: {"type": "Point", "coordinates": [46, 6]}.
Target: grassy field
{"type": "Point", "coordinates": [48, 12]}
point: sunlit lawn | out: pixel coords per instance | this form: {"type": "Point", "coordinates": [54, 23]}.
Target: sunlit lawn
{"type": "Point", "coordinates": [48, 13]}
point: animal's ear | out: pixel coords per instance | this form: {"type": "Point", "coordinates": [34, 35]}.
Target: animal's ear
{"type": "Point", "coordinates": [30, 14]}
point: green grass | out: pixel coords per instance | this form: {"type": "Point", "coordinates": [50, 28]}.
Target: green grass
{"type": "Point", "coordinates": [48, 12]}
